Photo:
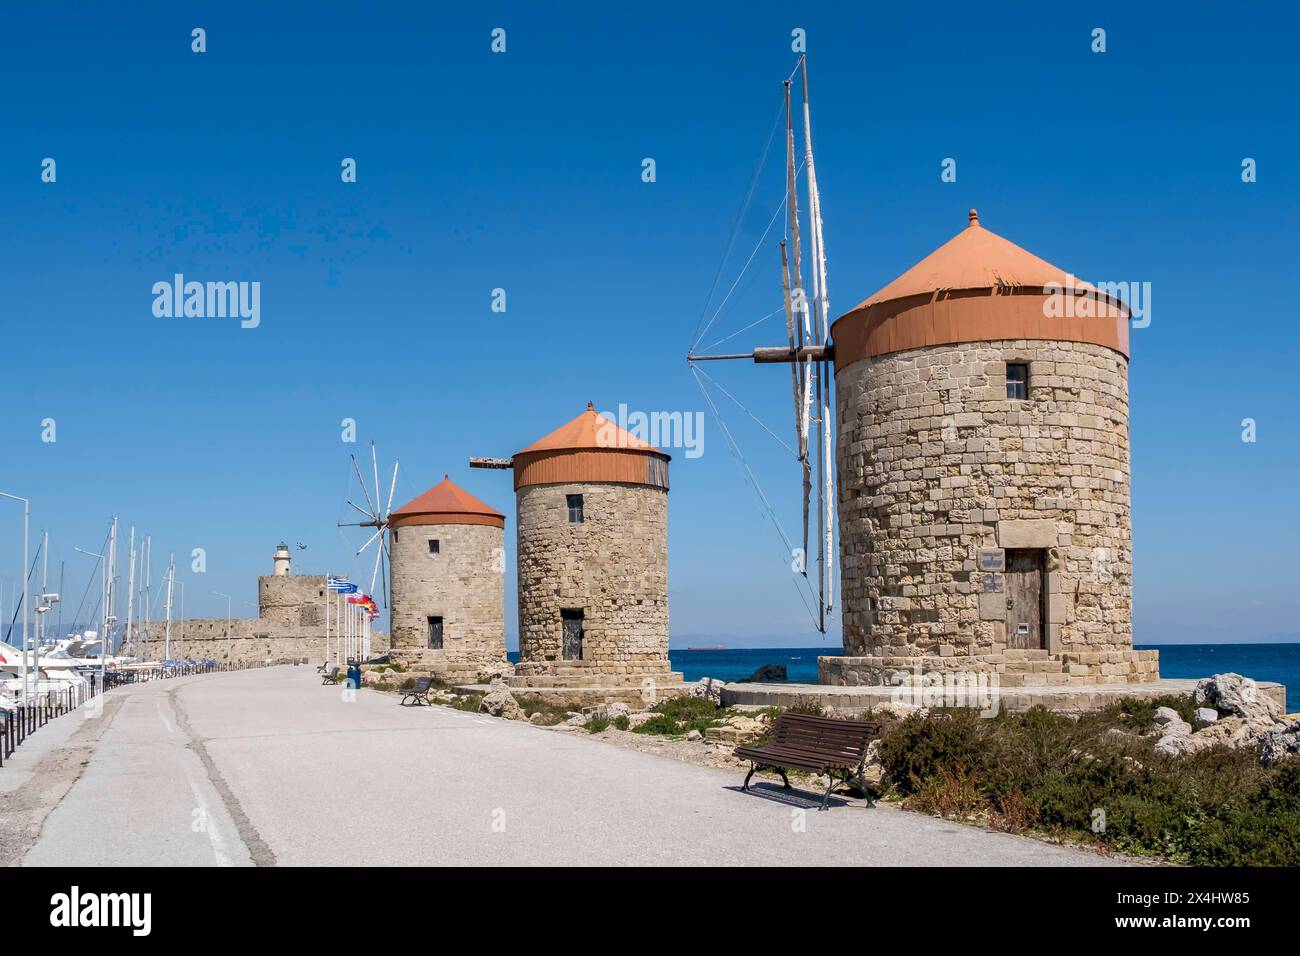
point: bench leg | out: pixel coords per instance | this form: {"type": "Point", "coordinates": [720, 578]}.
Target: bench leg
{"type": "Point", "coordinates": [826, 799]}
{"type": "Point", "coordinates": [785, 781]}
{"type": "Point", "coordinates": [752, 768]}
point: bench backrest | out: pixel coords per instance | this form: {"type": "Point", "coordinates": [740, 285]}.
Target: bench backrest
{"type": "Point", "coordinates": [333, 671]}
{"type": "Point", "coordinates": [824, 735]}
{"type": "Point", "coordinates": [422, 684]}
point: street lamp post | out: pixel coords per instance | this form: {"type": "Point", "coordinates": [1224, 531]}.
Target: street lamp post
{"type": "Point", "coordinates": [27, 509]}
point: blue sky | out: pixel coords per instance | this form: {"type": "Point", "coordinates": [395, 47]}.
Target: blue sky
{"type": "Point", "coordinates": [522, 171]}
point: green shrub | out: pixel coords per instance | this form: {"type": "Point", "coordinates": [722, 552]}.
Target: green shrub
{"type": "Point", "coordinates": [1099, 779]}
{"type": "Point", "coordinates": [596, 725]}
{"type": "Point", "coordinates": [621, 722]}
{"type": "Point", "coordinates": [661, 725]}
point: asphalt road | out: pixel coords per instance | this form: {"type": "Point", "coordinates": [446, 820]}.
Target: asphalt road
{"type": "Point", "coordinates": [268, 767]}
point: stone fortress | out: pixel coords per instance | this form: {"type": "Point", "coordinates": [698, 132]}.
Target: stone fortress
{"type": "Point", "coordinates": [290, 624]}
{"type": "Point", "coordinates": [983, 464]}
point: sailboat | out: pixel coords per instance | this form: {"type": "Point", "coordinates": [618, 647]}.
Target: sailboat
{"type": "Point", "coordinates": [808, 349]}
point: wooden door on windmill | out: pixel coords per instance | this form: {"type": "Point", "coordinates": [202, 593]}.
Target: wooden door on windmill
{"type": "Point", "coordinates": [1025, 580]}
{"type": "Point", "coordinates": [571, 647]}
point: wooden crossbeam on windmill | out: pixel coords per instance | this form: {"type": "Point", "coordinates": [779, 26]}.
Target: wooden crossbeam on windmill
{"type": "Point", "coordinates": [807, 351]}
{"type": "Point", "coordinates": [375, 516]}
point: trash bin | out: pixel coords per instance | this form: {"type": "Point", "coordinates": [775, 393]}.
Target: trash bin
{"type": "Point", "coordinates": [354, 674]}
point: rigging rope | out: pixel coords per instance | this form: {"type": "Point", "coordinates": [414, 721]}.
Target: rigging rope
{"type": "Point", "coordinates": [766, 505]}
{"type": "Point", "coordinates": [735, 226]}
{"type": "Point", "coordinates": [777, 311]}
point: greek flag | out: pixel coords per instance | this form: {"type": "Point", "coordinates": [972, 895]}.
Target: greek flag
{"type": "Point", "coordinates": [341, 585]}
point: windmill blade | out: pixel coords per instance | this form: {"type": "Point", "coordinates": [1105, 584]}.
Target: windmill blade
{"type": "Point", "coordinates": [374, 463]}
{"type": "Point", "coordinates": [379, 553]}
{"type": "Point", "coordinates": [363, 511]}
{"type": "Point", "coordinates": [378, 532]}
{"type": "Point", "coordinates": [391, 488]}
{"type": "Point", "coordinates": [362, 482]}
{"type": "Point", "coordinates": [383, 571]}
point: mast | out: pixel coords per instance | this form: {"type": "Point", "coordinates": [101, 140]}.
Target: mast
{"type": "Point", "coordinates": [129, 640]}
{"type": "Point", "coordinates": [171, 580]}
{"type": "Point", "coordinates": [825, 470]}
{"type": "Point", "coordinates": [801, 309]}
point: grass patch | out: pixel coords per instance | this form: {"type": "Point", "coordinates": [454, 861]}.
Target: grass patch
{"type": "Point", "coordinates": [596, 725]}
{"type": "Point", "coordinates": [467, 702]}
{"type": "Point", "coordinates": [678, 716]}
{"type": "Point", "coordinates": [1079, 779]}
{"type": "Point", "coordinates": [621, 722]}
{"type": "Point", "coordinates": [552, 712]}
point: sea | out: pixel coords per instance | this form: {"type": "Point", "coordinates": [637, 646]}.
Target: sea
{"type": "Point", "coordinates": [1264, 662]}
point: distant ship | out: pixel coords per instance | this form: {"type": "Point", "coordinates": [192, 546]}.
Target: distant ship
{"type": "Point", "coordinates": [715, 647]}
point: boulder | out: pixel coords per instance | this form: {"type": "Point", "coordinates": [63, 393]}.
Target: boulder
{"type": "Point", "coordinates": [694, 735]}
{"type": "Point", "coordinates": [499, 702]}
{"type": "Point", "coordinates": [616, 709]}
{"type": "Point", "coordinates": [768, 673]}
{"type": "Point", "coordinates": [636, 720]}
{"type": "Point", "coordinates": [1174, 736]}
{"type": "Point", "coordinates": [574, 719]}
{"type": "Point", "coordinates": [1166, 715]}
{"type": "Point", "coordinates": [1237, 695]}
{"type": "Point", "coordinates": [1283, 741]}
{"type": "Point", "coordinates": [537, 718]}
{"type": "Point", "coordinates": [1206, 716]}
{"type": "Point", "coordinates": [708, 688]}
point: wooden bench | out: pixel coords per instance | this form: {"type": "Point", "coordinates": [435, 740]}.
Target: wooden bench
{"type": "Point", "coordinates": [419, 692]}
{"type": "Point", "coordinates": [332, 675]}
{"type": "Point", "coordinates": [823, 745]}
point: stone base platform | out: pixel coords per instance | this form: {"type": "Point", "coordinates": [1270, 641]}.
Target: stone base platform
{"type": "Point", "coordinates": [450, 670]}
{"type": "Point", "coordinates": [1014, 668]}
{"type": "Point", "coordinates": [1064, 698]}
{"type": "Point", "coordinates": [576, 697]}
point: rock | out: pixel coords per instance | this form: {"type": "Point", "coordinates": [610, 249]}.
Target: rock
{"type": "Point", "coordinates": [1281, 742]}
{"type": "Point", "coordinates": [616, 709]}
{"type": "Point", "coordinates": [768, 673]}
{"type": "Point", "coordinates": [499, 702]}
{"type": "Point", "coordinates": [1173, 737]}
{"type": "Point", "coordinates": [576, 720]}
{"type": "Point", "coordinates": [1206, 716]}
{"type": "Point", "coordinates": [1165, 715]}
{"type": "Point", "coordinates": [537, 718]}
{"type": "Point", "coordinates": [737, 730]}
{"type": "Point", "coordinates": [694, 735]}
{"type": "Point", "coordinates": [636, 720]}
{"type": "Point", "coordinates": [1237, 695]}
{"type": "Point", "coordinates": [708, 688]}
{"type": "Point", "coordinates": [899, 709]}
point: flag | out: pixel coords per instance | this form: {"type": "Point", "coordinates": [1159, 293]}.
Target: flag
{"type": "Point", "coordinates": [341, 585]}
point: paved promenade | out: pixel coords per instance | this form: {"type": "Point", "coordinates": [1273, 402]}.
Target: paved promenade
{"type": "Point", "coordinates": [267, 767]}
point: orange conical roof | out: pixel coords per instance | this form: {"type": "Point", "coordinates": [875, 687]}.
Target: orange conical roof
{"type": "Point", "coordinates": [979, 287]}
{"type": "Point", "coordinates": [974, 259]}
{"type": "Point", "coordinates": [445, 503]}
{"type": "Point", "coordinates": [590, 430]}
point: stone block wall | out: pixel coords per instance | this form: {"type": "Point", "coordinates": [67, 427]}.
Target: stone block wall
{"type": "Point", "coordinates": [464, 584]}
{"type": "Point", "coordinates": [613, 565]}
{"type": "Point", "coordinates": [290, 626]}
{"type": "Point", "coordinates": [936, 463]}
